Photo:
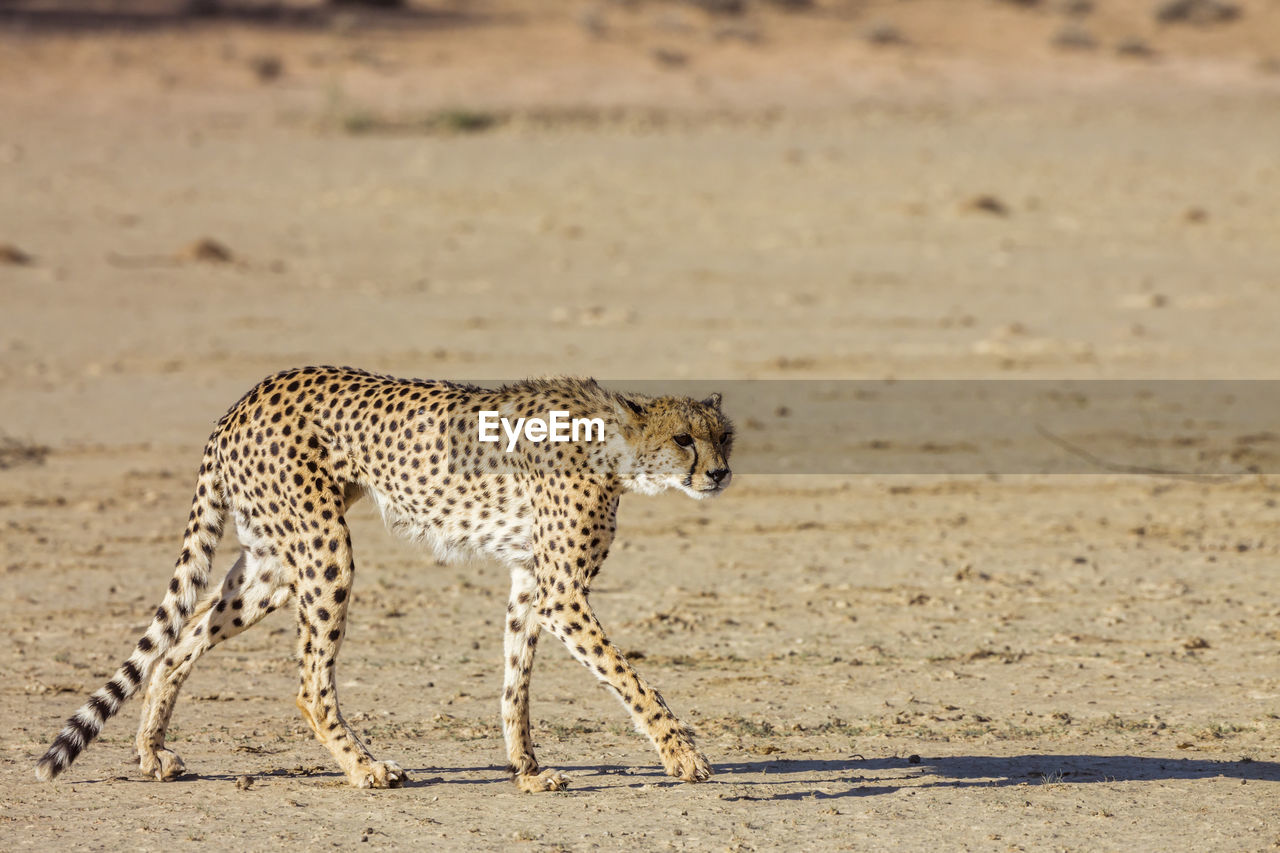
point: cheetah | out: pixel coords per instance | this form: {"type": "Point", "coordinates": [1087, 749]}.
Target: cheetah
{"type": "Point", "coordinates": [289, 459]}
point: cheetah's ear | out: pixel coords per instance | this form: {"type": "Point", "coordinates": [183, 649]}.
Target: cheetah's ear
{"type": "Point", "coordinates": [631, 416]}
{"type": "Point", "coordinates": [713, 401]}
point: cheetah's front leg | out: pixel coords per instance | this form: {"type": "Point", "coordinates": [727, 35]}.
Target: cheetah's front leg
{"type": "Point", "coordinates": [568, 615]}
{"type": "Point", "coordinates": [520, 641]}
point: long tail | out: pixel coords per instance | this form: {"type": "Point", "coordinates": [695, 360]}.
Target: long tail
{"type": "Point", "coordinates": [204, 530]}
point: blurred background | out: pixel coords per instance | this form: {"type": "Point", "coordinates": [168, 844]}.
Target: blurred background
{"type": "Point", "coordinates": [202, 192]}
{"type": "Point", "coordinates": [207, 191]}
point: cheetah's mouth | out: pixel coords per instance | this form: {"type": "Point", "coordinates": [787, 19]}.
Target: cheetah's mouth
{"type": "Point", "coordinates": [700, 493]}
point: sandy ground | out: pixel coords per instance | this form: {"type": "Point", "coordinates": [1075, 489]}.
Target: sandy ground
{"type": "Point", "coordinates": [909, 663]}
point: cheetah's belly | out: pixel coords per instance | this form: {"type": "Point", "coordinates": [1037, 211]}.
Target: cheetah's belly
{"type": "Point", "coordinates": [460, 535]}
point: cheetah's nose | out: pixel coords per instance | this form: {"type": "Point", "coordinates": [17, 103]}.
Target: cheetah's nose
{"type": "Point", "coordinates": [718, 474]}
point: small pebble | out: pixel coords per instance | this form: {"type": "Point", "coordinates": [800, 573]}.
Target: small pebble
{"type": "Point", "coordinates": [13, 256]}
{"type": "Point", "coordinates": [206, 250]}
{"type": "Point", "coordinates": [987, 204]}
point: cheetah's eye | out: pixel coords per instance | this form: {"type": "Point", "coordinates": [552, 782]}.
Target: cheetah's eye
{"type": "Point", "coordinates": [683, 439]}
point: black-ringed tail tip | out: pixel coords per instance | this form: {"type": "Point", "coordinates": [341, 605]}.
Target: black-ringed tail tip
{"type": "Point", "coordinates": [80, 730]}
{"type": "Point", "coordinates": [51, 765]}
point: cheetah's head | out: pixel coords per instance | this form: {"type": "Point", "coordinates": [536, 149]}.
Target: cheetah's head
{"type": "Point", "coordinates": [675, 442]}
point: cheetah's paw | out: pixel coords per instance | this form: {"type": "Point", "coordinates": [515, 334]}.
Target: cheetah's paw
{"type": "Point", "coordinates": [164, 764]}
{"type": "Point", "coordinates": [687, 764]}
{"type": "Point", "coordinates": [547, 780]}
{"type": "Point", "coordinates": [380, 774]}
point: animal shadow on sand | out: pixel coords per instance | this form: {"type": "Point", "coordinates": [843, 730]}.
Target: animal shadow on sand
{"type": "Point", "coordinates": [148, 15]}
{"type": "Point", "coordinates": [819, 779]}
{"type": "Point", "coordinates": [799, 779]}
{"type": "Point", "coordinates": [858, 777]}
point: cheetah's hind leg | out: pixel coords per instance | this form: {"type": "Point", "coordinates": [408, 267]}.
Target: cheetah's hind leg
{"type": "Point", "coordinates": [249, 592]}
{"type": "Point", "coordinates": [322, 616]}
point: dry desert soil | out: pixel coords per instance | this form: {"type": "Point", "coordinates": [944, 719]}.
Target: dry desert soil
{"type": "Point", "coordinates": [645, 190]}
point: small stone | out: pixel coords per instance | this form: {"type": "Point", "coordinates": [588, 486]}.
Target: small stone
{"type": "Point", "coordinates": [244, 783]}
{"type": "Point", "coordinates": [207, 251]}
{"type": "Point", "coordinates": [987, 203]}
{"type": "Point", "coordinates": [913, 759]}
{"type": "Point", "coordinates": [11, 255]}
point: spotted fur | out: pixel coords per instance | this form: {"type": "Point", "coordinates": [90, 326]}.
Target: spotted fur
{"type": "Point", "coordinates": [288, 460]}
